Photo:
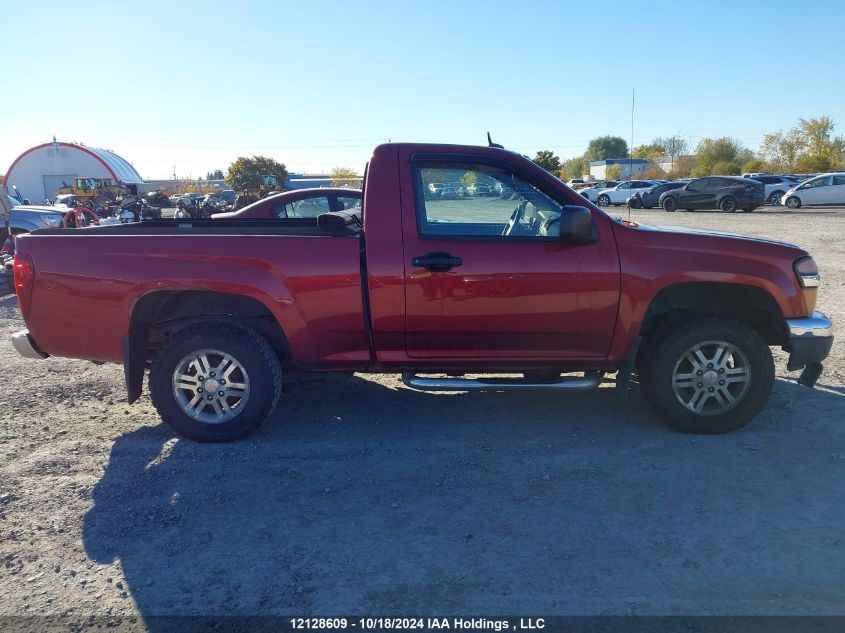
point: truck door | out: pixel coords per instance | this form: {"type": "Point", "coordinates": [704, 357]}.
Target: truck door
{"type": "Point", "coordinates": [487, 275]}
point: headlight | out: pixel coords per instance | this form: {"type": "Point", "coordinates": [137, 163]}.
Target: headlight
{"type": "Point", "coordinates": [49, 220]}
{"type": "Point", "coordinates": [807, 272]}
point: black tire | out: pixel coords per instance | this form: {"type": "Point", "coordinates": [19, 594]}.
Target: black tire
{"type": "Point", "coordinates": [727, 204]}
{"type": "Point", "coordinates": [261, 367]}
{"type": "Point", "coordinates": [669, 351]}
{"type": "Point", "coordinates": [603, 200]}
{"type": "Point", "coordinates": [774, 199]}
{"type": "Point", "coordinates": [793, 202]}
{"type": "Point", "coordinates": [670, 204]}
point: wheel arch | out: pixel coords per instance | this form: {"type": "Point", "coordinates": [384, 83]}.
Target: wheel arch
{"type": "Point", "coordinates": [156, 315]}
{"type": "Point", "coordinates": [686, 301]}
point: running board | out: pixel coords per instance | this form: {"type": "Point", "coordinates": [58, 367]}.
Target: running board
{"type": "Point", "coordinates": [591, 380]}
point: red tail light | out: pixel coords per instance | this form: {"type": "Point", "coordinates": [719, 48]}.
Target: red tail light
{"type": "Point", "coordinates": [24, 278]}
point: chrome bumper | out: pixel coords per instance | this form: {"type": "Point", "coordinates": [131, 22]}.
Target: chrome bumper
{"type": "Point", "coordinates": [816, 325]}
{"type": "Point", "coordinates": [25, 346]}
{"type": "Point", "coordinates": [810, 340]}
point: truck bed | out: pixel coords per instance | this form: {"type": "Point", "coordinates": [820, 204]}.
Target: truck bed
{"type": "Point", "coordinates": [90, 279]}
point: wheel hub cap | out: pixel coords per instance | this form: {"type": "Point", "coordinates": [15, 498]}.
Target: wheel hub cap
{"type": "Point", "coordinates": [711, 378]}
{"type": "Point", "coordinates": [211, 386]}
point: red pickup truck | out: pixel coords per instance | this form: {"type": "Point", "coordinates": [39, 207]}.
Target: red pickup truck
{"type": "Point", "coordinates": [522, 277]}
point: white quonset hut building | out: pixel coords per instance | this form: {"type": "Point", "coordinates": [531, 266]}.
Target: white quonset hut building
{"type": "Point", "coordinates": [42, 169]}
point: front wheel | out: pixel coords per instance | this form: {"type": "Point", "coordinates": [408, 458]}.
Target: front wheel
{"type": "Point", "coordinates": [793, 202]}
{"type": "Point", "coordinates": [215, 381]}
{"type": "Point", "coordinates": [670, 204]}
{"type": "Point", "coordinates": [708, 376]}
{"type": "Point", "coordinates": [604, 200]}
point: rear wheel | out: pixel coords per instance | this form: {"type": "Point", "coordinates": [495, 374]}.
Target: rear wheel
{"type": "Point", "coordinates": [604, 200]}
{"type": "Point", "coordinates": [670, 204]}
{"type": "Point", "coordinates": [793, 202]}
{"type": "Point", "coordinates": [215, 381]}
{"type": "Point", "coordinates": [712, 375]}
{"type": "Point", "coordinates": [728, 204]}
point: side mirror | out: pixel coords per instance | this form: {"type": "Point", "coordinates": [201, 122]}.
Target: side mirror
{"type": "Point", "coordinates": [576, 225]}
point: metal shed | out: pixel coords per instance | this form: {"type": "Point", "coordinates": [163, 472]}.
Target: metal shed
{"type": "Point", "coordinates": [42, 169]}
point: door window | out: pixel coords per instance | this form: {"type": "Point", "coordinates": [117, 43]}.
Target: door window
{"type": "Point", "coordinates": [818, 182]}
{"type": "Point", "coordinates": [513, 209]}
{"type": "Point", "coordinates": [839, 180]}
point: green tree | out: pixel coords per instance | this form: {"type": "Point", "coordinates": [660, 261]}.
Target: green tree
{"type": "Point", "coordinates": [808, 146]}
{"type": "Point", "coordinates": [725, 152]}
{"type": "Point", "coordinates": [682, 167]}
{"type": "Point", "coordinates": [574, 168]}
{"type": "Point", "coordinates": [648, 151]}
{"type": "Point", "coordinates": [606, 147]}
{"type": "Point", "coordinates": [725, 168]}
{"type": "Point", "coordinates": [613, 172]}
{"type": "Point", "coordinates": [249, 173]}
{"type": "Point", "coordinates": [754, 165]}
{"type": "Point", "coordinates": [547, 160]}
{"type": "Point", "coordinates": [344, 176]}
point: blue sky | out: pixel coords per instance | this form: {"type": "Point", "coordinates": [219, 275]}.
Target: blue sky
{"type": "Point", "coordinates": [318, 84]}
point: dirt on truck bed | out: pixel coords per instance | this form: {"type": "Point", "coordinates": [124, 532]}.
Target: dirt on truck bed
{"type": "Point", "coordinates": [362, 496]}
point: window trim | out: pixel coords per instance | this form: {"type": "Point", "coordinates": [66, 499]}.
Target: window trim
{"type": "Point", "coordinates": [492, 161]}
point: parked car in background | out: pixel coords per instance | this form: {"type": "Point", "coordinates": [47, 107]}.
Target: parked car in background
{"type": "Point", "coordinates": [26, 218]}
{"type": "Point", "coordinates": [442, 190]}
{"type": "Point", "coordinates": [592, 193]}
{"type": "Point", "coordinates": [650, 198]}
{"type": "Point", "coordinates": [298, 204]}
{"type": "Point", "coordinates": [478, 190]}
{"type": "Point", "coordinates": [821, 190]}
{"type": "Point", "coordinates": [726, 193]}
{"type": "Point", "coordinates": [620, 193]}
{"type": "Point", "coordinates": [774, 186]}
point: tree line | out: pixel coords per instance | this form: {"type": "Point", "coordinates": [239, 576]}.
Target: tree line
{"type": "Point", "coordinates": [808, 147]}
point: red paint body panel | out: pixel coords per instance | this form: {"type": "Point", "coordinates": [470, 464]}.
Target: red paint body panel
{"type": "Point", "coordinates": [511, 305]}
{"type": "Point", "coordinates": [82, 304]}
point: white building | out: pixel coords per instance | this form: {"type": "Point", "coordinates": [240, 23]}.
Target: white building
{"type": "Point", "coordinates": [42, 169]}
{"type": "Point", "coordinates": [630, 167]}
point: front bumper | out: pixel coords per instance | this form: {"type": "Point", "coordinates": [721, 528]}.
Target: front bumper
{"type": "Point", "coordinates": [25, 346]}
{"type": "Point", "coordinates": [810, 340]}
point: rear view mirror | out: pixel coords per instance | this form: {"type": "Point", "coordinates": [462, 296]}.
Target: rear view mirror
{"type": "Point", "coordinates": [576, 225]}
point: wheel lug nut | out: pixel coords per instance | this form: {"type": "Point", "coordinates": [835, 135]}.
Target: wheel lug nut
{"type": "Point", "coordinates": [202, 377]}
{"type": "Point", "coordinates": [222, 382]}
{"type": "Point", "coordinates": [199, 390]}
{"type": "Point", "coordinates": [221, 393]}
{"type": "Point", "coordinates": [210, 397]}
{"type": "Point", "coordinates": [700, 385]}
{"type": "Point", "coordinates": [710, 390]}
{"type": "Point", "coordinates": [721, 382]}
{"type": "Point", "coordinates": [709, 366]}
{"type": "Point", "coordinates": [722, 371]}
{"type": "Point", "coordinates": [212, 374]}
{"type": "Point", "coordinates": [698, 373]}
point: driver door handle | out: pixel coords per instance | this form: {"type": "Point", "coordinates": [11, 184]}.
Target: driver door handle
{"type": "Point", "coordinates": [437, 262]}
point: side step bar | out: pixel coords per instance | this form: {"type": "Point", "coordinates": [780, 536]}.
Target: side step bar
{"type": "Point", "coordinates": [591, 380]}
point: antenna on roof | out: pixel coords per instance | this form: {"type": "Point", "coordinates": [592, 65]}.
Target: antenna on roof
{"type": "Point", "coordinates": [490, 142]}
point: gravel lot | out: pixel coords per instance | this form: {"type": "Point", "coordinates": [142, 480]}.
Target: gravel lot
{"type": "Point", "coordinates": [362, 496]}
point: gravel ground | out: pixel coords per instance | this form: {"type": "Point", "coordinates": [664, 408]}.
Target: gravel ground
{"type": "Point", "coordinates": [362, 496]}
